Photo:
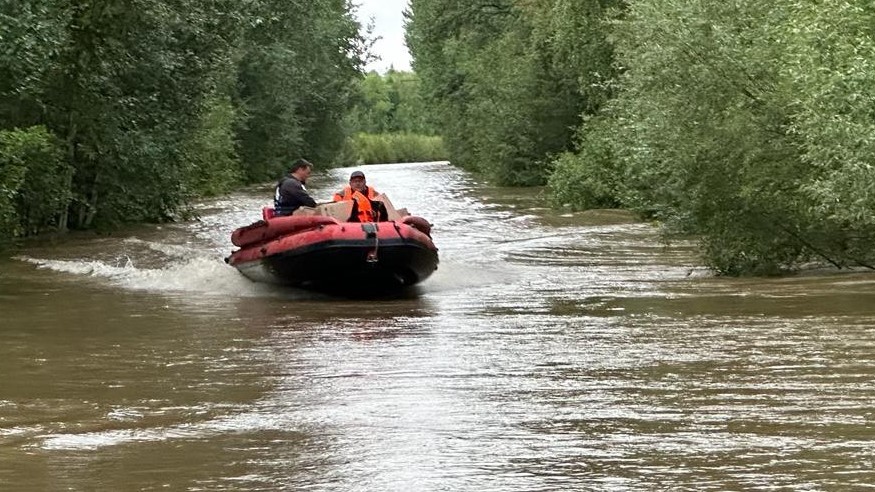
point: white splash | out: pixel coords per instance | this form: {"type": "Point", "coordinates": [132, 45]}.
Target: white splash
{"type": "Point", "coordinates": [207, 275]}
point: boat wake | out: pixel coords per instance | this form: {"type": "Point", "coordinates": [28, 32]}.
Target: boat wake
{"type": "Point", "coordinates": [252, 421]}
{"type": "Point", "coordinates": [205, 276]}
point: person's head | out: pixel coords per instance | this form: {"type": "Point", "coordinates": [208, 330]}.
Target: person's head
{"type": "Point", "coordinates": [301, 169]}
{"type": "Point", "coordinates": [357, 181]}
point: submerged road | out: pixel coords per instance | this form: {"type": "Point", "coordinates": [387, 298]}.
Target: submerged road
{"type": "Point", "coordinates": [548, 352]}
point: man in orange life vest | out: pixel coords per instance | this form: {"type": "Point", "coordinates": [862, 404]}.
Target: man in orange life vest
{"type": "Point", "coordinates": [365, 208]}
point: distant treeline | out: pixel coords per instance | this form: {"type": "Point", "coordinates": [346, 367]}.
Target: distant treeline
{"type": "Point", "coordinates": [748, 124]}
{"type": "Point", "coordinates": [116, 110]}
{"type": "Point", "coordinates": [389, 122]}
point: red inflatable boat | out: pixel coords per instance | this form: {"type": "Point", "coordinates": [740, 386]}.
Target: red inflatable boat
{"type": "Point", "coordinates": [324, 253]}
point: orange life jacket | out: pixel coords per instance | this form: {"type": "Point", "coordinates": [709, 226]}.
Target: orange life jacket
{"type": "Point", "coordinates": [346, 194]}
{"type": "Point", "coordinates": [365, 209]}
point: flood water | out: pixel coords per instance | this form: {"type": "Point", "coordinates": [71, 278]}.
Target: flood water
{"type": "Point", "coordinates": [571, 352]}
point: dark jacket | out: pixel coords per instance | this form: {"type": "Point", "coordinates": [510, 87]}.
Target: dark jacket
{"type": "Point", "coordinates": [291, 195]}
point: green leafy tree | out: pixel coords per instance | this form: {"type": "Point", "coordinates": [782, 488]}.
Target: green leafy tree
{"type": "Point", "coordinates": [33, 188]}
{"type": "Point", "coordinates": [494, 74]}
{"type": "Point", "coordinates": [211, 165]}
{"type": "Point", "coordinates": [154, 102]}
{"type": "Point", "coordinates": [745, 124]}
{"type": "Point", "coordinates": [409, 112]}
{"type": "Point", "coordinates": [390, 122]}
{"type": "Point", "coordinates": [373, 109]}
{"type": "Point", "coordinates": [122, 89]}
{"type": "Point", "coordinates": [296, 83]}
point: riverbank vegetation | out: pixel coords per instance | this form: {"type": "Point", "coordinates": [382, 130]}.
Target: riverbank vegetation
{"type": "Point", "coordinates": [373, 148]}
{"type": "Point", "coordinates": [389, 122]}
{"type": "Point", "coordinates": [746, 124]}
{"type": "Point", "coordinates": [112, 111]}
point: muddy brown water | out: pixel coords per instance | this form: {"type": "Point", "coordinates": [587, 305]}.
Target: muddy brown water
{"type": "Point", "coordinates": [570, 352]}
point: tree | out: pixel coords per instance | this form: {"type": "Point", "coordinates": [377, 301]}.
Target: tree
{"type": "Point", "coordinates": [745, 124]}
{"type": "Point", "coordinates": [154, 102]}
{"type": "Point", "coordinates": [296, 82]}
{"type": "Point", "coordinates": [494, 74]}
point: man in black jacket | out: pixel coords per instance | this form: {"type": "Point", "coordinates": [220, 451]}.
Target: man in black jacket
{"type": "Point", "coordinates": [290, 191]}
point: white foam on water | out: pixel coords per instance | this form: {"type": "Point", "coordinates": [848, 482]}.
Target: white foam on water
{"type": "Point", "coordinates": [172, 250]}
{"type": "Point", "coordinates": [203, 275]}
{"type": "Point", "coordinates": [247, 421]}
{"type": "Point", "coordinates": [452, 276]}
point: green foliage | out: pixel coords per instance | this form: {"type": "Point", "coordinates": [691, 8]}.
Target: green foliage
{"type": "Point", "coordinates": [31, 35]}
{"type": "Point", "coordinates": [34, 182]}
{"type": "Point", "coordinates": [365, 148]}
{"type": "Point", "coordinates": [746, 124]}
{"type": "Point", "coordinates": [512, 125]}
{"type": "Point", "coordinates": [389, 103]}
{"type": "Point", "coordinates": [509, 81]}
{"type": "Point", "coordinates": [389, 122]}
{"type": "Point", "coordinates": [209, 155]}
{"type": "Point", "coordinates": [268, 103]}
{"type": "Point", "coordinates": [155, 101]}
{"type": "Point", "coordinates": [122, 91]}
{"type": "Point", "coordinates": [295, 83]}
{"type": "Point", "coordinates": [749, 125]}
{"type": "Point", "coordinates": [832, 108]}
{"type": "Point", "coordinates": [12, 173]}
{"type": "Point", "coordinates": [587, 179]}
{"type": "Point", "coordinates": [373, 111]}
{"type": "Point", "coordinates": [573, 37]}
{"type": "Point", "coordinates": [410, 114]}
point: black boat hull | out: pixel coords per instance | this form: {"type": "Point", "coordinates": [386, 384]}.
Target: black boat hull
{"type": "Point", "coordinates": [346, 266]}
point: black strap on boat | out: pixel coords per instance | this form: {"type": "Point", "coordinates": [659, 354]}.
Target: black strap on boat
{"type": "Point", "coordinates": [370, 229]}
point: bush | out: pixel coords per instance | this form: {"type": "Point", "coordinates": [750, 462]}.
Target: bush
{"type": "Point", "coordinates": [12, 173]}
{"type": "Point", "coordinates": [34, 182]}
{"type": "Point", "coordinates": [209, 158]}
{"type": "Point", "coordinates": [749, 125]}
{"type": "Point", "coordinates": [367, 148]}
{"type": "Point", "coordinates": [589, 178]}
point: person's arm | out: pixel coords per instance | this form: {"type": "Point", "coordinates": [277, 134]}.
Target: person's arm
{"type": "Point", "coordinates": [306, 199]}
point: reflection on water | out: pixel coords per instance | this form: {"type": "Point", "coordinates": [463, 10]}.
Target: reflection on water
{"type": "Point", "coordinates": [569, 352]}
